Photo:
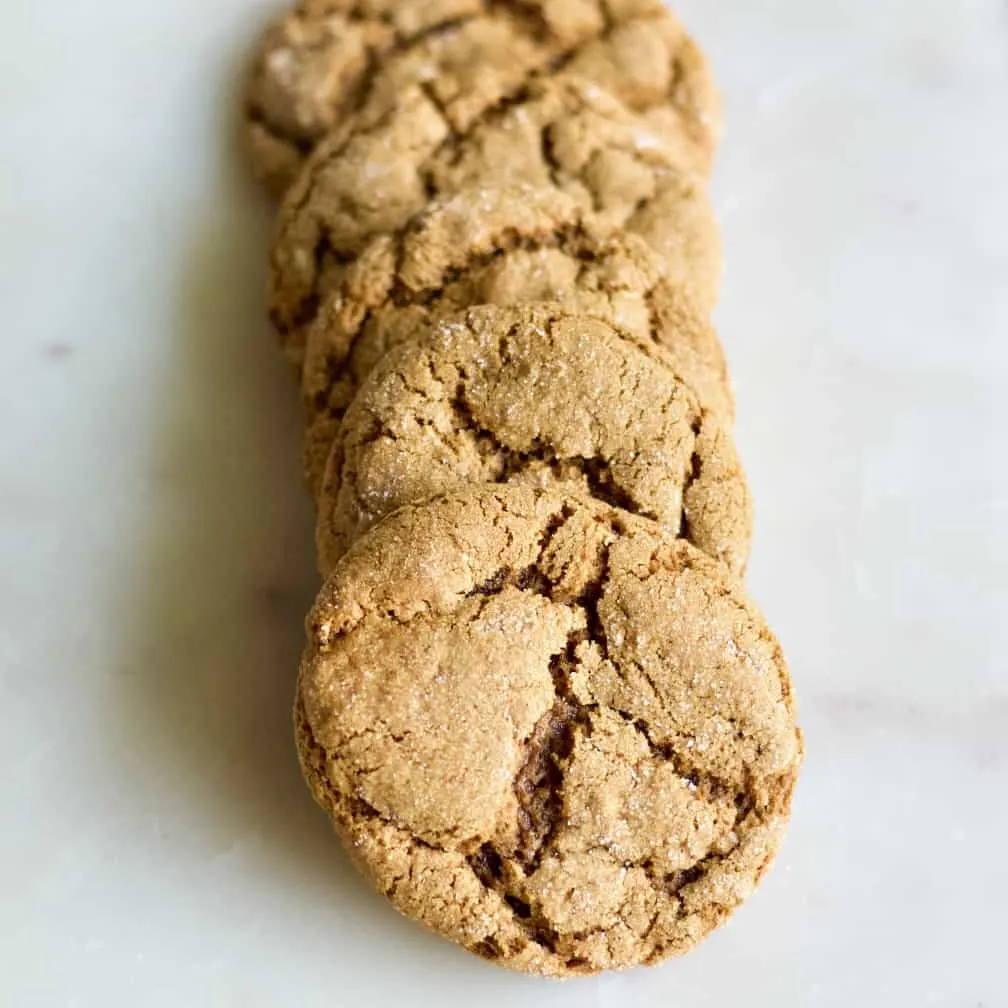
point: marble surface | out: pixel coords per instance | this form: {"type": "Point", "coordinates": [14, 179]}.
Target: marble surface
{"type": "Point", "coordinates": [156, 845]}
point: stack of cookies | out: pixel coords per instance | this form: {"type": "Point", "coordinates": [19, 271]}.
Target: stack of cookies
{"type": "Point", "coordinates": [537, 704]}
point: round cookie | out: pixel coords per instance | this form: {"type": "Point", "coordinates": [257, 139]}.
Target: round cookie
{"type": "Point", "coordinates": [546, 731]}
{"type": "Point", "coordinates": [503, 247]}
{"type": "Point", "coordinates": [328, 59]}
{"type": "Point", "coordinates": [539, 395]}
{"type": "Point", "coordinates": [371, 178]}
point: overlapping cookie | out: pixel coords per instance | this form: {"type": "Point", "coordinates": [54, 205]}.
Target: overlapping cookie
{"type": "Point", "coordinates": [539, 395]}
{"type": "Point", "coordinates": [329, 59]}
{"type": "Point", "coordinates": [501, 246]}
{"type": "Point", "coordinates": [369, 180]}
{"type": "Point", "coordinates": [535, 701]}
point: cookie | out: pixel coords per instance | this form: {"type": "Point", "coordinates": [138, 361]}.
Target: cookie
{"type": "Point", "coordinates": [547, 731]}
{"type": "Point", "coordinates": [371, 178]}
{"type": "Point", "coordinates": [539, 395]}
{"type": "Point", "coordinates": [503, 247]}
{"type": "Point", "coordinates": [329, 59]}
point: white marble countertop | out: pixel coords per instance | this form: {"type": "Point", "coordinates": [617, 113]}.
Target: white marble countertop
{"type": "Point", "coordinates": [156, 845]}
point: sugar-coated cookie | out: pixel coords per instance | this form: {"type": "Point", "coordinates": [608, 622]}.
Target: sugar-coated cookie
{"type": "Point", "coordinates": [546, 730]}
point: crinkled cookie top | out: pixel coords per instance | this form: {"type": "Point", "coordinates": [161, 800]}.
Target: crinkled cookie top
{"type": "Point", "coordinates": [500, 246]}
{"type": "Point", "coordinates": [546, 730]}
{"type": "Point", "coordinates": [541, 395]}
{"type": "Point", "coordinates": [329, 59]}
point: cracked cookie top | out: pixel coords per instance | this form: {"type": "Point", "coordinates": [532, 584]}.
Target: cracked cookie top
{"type": "Point", "coordinates": [500, 246]}
{"type": "Point", "coordinates": [329, 59]}
{"type": "Point", "coordinates": [540, 395]}
{"type": "Point", "coordinates": [547, 730]}
{"type": "Point", "coordinates": [371, 178]}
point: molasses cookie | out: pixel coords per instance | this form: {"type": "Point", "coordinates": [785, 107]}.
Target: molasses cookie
{"type": "Point", "coordinates": [329, 59]}
{"type": "Point", "coordinates": [546, 730]}
{"type": "Point", "coordinates": [504, 247]}
{"type": "Point", "coordinates": [371, 178]}
{"type": "Point", "coordinates": [538, 395]}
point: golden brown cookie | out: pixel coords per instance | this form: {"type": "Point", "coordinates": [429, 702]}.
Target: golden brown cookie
{"type": "Point", "coordinates": [328, 59]}
{"type": "Point", "coordinates": [546, 731]}
{"type": "Point", "coordinates": [504, 247]}
{"type": "Point", "coordinates": [370, 178]}
{"type": "Point", "coordinates": [538, 395]}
